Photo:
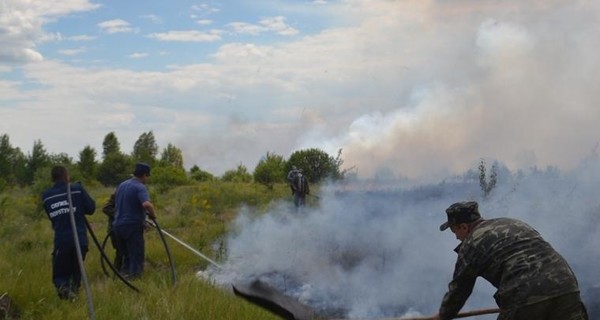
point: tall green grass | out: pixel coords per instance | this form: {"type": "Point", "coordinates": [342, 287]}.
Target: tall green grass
{"type": "Point", "coordinates": [199, 214]}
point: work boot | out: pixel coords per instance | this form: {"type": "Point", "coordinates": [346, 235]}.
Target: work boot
{"type": "Point", "coordinates": [72, 296]}
{"type": "Point", "coordinates": [74, 292]}
{"type": "Point", "coordinates": [63, 293]}
{"type": "Point", "coordinates": [132, 277]}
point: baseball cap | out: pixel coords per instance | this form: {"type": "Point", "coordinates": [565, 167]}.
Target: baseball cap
{"type": "Point", "coordinates": [141, 168]}
{"type": "Point", "coordinates": [461, 212]}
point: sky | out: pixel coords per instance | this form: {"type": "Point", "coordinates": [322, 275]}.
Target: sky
{"type": "Point", "coordinates": [421, 88]}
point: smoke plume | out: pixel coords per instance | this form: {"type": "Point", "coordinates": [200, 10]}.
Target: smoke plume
{"type": "Point", "coordinates": [372, 252]}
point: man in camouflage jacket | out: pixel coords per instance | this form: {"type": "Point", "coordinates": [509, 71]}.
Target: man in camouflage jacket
{"type": "Point", "coordinates": [533, 280]}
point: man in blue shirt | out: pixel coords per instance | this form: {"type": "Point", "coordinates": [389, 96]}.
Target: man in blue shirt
{"type": "Point", "coordinates": [66, 274]}
{"type": "Point", "coordinates": [132, 203]}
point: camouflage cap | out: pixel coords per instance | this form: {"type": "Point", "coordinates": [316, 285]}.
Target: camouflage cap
{"type": "Point", "coordinates": [461, 212]}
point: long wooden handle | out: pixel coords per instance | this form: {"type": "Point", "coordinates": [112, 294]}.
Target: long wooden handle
{"type": "Point", "coordinates": [461, 314]}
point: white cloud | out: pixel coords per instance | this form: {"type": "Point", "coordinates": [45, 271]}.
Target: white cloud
{"type": "Point", "coordinates": [204, 22]}
{"type": "Point", "coordinates": [50, 37]}
{"type": "Point", "coordinates": [188, 36]}
{"type": "Point", "coordinates": [72, 52]}
{"type": "Point", "coordinates": [278, 25]}
{"type": "Point", "coordinates": [154, 18]}
{"type": "Point", "coordinates": [138, 55]}
{"type": "Point", "coordinates": [274, 24]}
{"type": "Point", "coordinates": [9, 90]}
{"type": "Point", "coordinates": [81, 38]}
{"type": "Point", "coordinates": [19, 55]}
{"type": "Point", "coordinates": [21, 24]}
{"type": "Point", "coordinates": [246, 28]}
{"type": "Point", "coordinates": [231, 52]}
{"type": "Point", "coordinates": [204, 8]}
{"type": "Point", "coordinates": [116, 26]}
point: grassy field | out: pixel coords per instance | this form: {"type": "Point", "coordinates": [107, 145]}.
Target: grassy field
{"type": "Point", "coordinates": [200, 215]}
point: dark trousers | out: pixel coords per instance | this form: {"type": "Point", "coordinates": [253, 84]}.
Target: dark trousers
{"type": "Point", "coordinates": [114, 240]}
{"type": "Point", "coordinates": [130, 242]}
{"type": "Point", "coordinates": [299, 199]}
{"type": "Point", "coordinates": [118, 261]}
{"type": "Point", "coordinates": [66, 274]}
{"type": "Point", "coordinates": [565, 307]}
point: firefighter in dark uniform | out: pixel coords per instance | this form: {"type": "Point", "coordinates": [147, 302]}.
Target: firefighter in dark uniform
{"type": "Point", "coordinates": [533, 280]}
{"type": "Point", "coordinates": [66, 274]}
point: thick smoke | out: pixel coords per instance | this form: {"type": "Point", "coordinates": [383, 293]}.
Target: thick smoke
{"type": "Point", "coordinates": [377, 252]}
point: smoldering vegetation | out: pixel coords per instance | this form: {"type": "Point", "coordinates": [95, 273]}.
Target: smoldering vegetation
{"type": "Point", "coordinates": [371, 252]}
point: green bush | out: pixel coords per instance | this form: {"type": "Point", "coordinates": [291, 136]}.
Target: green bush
{"type": "Point", "coordinates": [239, 174]}
{"type": "Point", "coordinates": [270, 170]}
{"type": "Point", "coordinates": [200, 175]}
{"type": "Point", "coordinates": [316, 164]}
{"type": "Point", "coordinates": [167, 177]}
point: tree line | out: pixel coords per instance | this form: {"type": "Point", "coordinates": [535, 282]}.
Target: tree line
{"type": "Point", "coordinates": [113, 165]}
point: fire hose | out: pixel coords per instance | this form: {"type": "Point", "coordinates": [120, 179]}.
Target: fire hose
{"type": "Point", "coordinates": [187, 246]}
{"type": "Point", "coordinates": [108, 234]}
{"type": "Point", "coordinates": [162, 238]}
{"type": "Point", "coordinates": [105, 258]}
{"type": "Point", "coordinates": [102, 246]}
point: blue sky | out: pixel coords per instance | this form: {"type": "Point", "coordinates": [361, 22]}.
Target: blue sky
{"type": "Point", "coordinates": [153, 35]}
{"type": "Point", "coordinates": [418, 88]}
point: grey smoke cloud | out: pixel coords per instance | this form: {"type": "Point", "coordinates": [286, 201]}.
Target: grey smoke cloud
{"type": "Point", "coordinates": [379, 252]}
{"type": "Point", "coordinates": [422, 87]}
{"type": "Point", "coordinates": [426, 88]}
{"type": "Point", "coordinates": [499, 88]}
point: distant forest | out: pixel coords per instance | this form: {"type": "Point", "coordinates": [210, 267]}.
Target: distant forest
{"type": "Point", "coordinates": [112, 165]}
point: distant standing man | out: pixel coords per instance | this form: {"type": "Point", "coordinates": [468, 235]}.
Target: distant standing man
{"type": "Point", "coordinates": [300, 189]}
{"type": "Point", "coordinates": [132, 203]}
{"type": "Point", "coordinates": [533, 280]}
{"type": "Point", "coordinates": [291, 176]}
{"type": "Point", "coordinates": [66, 274]}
